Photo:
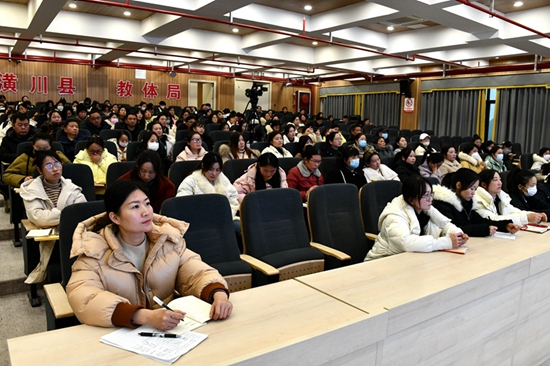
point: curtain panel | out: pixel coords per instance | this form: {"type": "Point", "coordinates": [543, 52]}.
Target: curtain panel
{"type": "Point", "coordinates": [338, 105]}
{"type": "Point", "coordinates": [383, 109]}
{"type": "Point", "coordinates": [522, 116]}
{"type": "Point", "coordinates": [450, 113]}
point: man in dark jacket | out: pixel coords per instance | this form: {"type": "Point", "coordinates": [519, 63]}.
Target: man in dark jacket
{"type": "Point", "coordinates": [95, 123]}
{"type": "Point", "coordinates": [130, 125]}
{"type": "Point", "coordinates": [21, 131]}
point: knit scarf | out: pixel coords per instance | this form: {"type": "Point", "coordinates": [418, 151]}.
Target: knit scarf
{"type": "Point", "coordinates": [305, 171]}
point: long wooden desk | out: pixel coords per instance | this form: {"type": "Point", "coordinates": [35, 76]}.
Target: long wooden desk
{"type": "Point", "coordinates": [276, 324]}
{"type": "Point", "coordinates": [490, 306]}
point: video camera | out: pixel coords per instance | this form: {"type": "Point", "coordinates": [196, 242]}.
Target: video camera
{"type": "Point", "coordinates": [255, 92]}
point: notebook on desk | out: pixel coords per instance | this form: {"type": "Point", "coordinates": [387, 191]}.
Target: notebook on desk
{"type": "Point", "coordinates": [535, 228]}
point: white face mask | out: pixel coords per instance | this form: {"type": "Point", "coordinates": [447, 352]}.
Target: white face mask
{"type": "Point", "coordinates": [476, 156]}
{"type": "Point", "coordinates": [60, 108]}
{"type": "Point", "coordinates": [153, 146]}
{"type": "Point", "coordinates": [426, 143]}
{"type": "Point", "coordinates": [122, 144]}
{"type": "Point", "coordinates": [531, 191]}
{"type": "Point", "coordinates": [547, 157]}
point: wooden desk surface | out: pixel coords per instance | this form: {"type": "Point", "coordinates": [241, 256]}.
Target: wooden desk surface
{"type": "Point", "coordinates": [274, 318]}
{"type": "Point", "coordinates": [407, 284]}
{"type": "Point", "coordinates": [28, 226]}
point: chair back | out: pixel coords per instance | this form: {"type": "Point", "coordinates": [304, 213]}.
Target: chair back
{"type": "Point", "coordinates": [179, 146]}
{"type": "Point", "coordinates": [389, 162]}
{"type": "Point", "coordinates": [433, 180]}
{"type": "Point", "coordinates": [415, 138]}
{"type": "Point", "coordinates": [374, 197]}
{"type": "Point", "coordinates": [292, 148]}
{"type": "Point", "coordinates": [462, 146]}
{"type": "Point", "coordinates": [70, 217]}
{"type": "Point", "coordinates": [181, 169]}
{"type": "Point", "coordinates": [468, 139]}
{"type": "Point", "coordinates": [274, 231]}
{"type": "Point", "coordinates": [434, 142]}
{"type": "Point", "coordinates": [445, 141]}
{"type": "Point", "coordinates": [526, 161]}
{"type": "Point", "coordinates": [516, 148]}
{"type": "Point", "coordinates": [118, 169]}
{"type": "Point", "coordinates": [456, 141]}
{"type": "Point", "coordinates": [288, 163]}
{"type": "Point", "coordinates": [416, 132]}
{"type": "Point", "coordinates": [405, 133]}
{"type": "Point", "coordinates": [24, 145]}
{"type": "Point", "coordinates": [217, 145]}
{"type": "Point", "coordinates": [211, 234]}
{"type": "Point", "coordinates": [260, 146]}
{"type": "Point", "coordinates": [335, 221]}
{"type": "Point", "coordinates": [208, 128]}
{"type": "Point", "coordinates": [181, 135]}
{"type": "Point", "coordinates": [220, 135]}
{"type": "Point", "coordinates": [82, 176]}
{"type": "Point", "coordinates": [430, 132]}
{"type": "Point", "coordinates": [504, 179]}
{"type": "Point", "coordinates": [131, 150]}
{"type": "Point", "coordinates": [234, 168]}
{"type": "Point", "coordinates": [112, 134]}
{"type": "Point", "coordinates": [327, 164]}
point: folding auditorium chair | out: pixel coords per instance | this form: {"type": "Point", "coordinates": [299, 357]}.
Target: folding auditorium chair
{"type": "Point", "coordinates": [445, 141]}
{"type": "Point", "coordinates": [109, 134]}
{"type": "Point", "coordinates": [288, 163]}
{"type": "Point", "coordinates": [211, 234]}
{"type": "Point", "coordinates": [218, 144]}
{"type": "Point", "coordinates": [335, 221]}
{"type": "Point", "coordinates": [58, 311]}
{"type": "Point", "coordinates": [373, 198]}
{"type": "Point", "coordinates": [220, 135]}
{"type": "Point", "coordinates": [181, 169]}
{"type": "Point", "coordinates": [131, 150]}
{"type": "Point", "coordinates": [260, 146]}
{"type": "Point", "coordinates": [292, 148]}
{"type": "Point", "coordinates": [526, 161]}
{"type": "Point", "coordinates": [118, 169]}
{"type": "Point", "coordinates": [234, 168]}
{"type": "Point", "coordinates": [275, 239]}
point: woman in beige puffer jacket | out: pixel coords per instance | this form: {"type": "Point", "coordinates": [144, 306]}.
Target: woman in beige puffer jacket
{"type": "Point", "coordinates": [113, 283]}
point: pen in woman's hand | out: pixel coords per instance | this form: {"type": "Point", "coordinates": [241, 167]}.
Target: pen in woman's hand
{"type": "Point", "coordinates": [161, 303]}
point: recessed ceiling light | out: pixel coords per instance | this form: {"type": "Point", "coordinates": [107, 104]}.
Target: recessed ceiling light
{"type": "Point", "coordinates": [390, 28]}
{"type": "Point", "coordinates": [517, 4]}
{"type": "Point", "coordinates": [127, 13]}
{"type": "Point", "coordinates": [72, 5]}
{"type": "Point", "coordinates": [315, 43]}
{"type": "Point", "coordinates": [497, 57]}
{"type": "Point", "coordinates": [235, 30]}
{"type": "Point", "coordinates": [308, 7]}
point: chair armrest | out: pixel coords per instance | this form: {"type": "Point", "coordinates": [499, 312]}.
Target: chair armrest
{"type": "Point", "coordinates": [331, 251]}
{"type": "Point", "coordinates": [371, 236]}
{"type": "Point", "coordinates": [57, 297]}
{"type": "Point", "coordinates": [259, 265]}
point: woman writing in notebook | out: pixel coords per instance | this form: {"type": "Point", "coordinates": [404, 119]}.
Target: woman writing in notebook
{"type": "Point", "coordinates": [128, 255]}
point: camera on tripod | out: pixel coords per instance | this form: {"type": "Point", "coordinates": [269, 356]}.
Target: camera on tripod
{"type": "Point", "coordinates": [255, 92]}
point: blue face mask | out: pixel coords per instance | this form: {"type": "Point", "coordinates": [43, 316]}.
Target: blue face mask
{"type": "Point", "coordinates": [385, 136]}
{"type": "Point", "coordinates": [354, 163]}
{"type": "Point", "coordinates": [500, 157]}
{"type": "Point", "coordinates": [362, 144]}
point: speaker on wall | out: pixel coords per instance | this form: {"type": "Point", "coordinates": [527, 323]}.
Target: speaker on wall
{"type": "Point", "coordinates": [405, 88]}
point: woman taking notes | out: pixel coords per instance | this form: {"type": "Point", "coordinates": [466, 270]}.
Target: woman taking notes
{"type": "Point", "coordinates": [410, 224]}
{"type": "Point", "coordinates": [128, 255]}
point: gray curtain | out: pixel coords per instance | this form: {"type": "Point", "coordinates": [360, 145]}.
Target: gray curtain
{"type": "Point", "coordinates": [383, 109]}
{"type": "Point", "coordinates": [523, 116]}
{"type": "Point", "coordinates": [338, 105]}
{"type": "Point", "coordinates": [450, 113]}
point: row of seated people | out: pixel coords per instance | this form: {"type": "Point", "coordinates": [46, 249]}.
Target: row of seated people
{"type": "Point", "coordinates": [409, 223]}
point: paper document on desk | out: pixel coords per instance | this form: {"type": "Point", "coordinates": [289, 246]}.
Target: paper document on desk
{"type": "Point", "coordinates": [501, 235]}
{"type": "Point", "coordinates": [165, 350]}
{"type": "Point", "coordinates": [36, 233]}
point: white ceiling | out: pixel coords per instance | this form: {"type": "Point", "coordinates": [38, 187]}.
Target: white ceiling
{"type": "Point", "coordinates": [438, 29]}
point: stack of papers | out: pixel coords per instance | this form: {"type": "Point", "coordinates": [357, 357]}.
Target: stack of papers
{"type": "Point", "coordinates": [165, 350]}
{"type": "Point", "coordinates": [501, 235]}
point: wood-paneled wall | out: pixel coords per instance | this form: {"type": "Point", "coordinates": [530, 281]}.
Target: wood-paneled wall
{"type": "Point", "coordinates": [101, 84]}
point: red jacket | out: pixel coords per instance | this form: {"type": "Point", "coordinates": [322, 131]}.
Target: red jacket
{"type": "Point", "coordinates": [166, 190]}
{"type": "Point", "coordinates": [297, 181]}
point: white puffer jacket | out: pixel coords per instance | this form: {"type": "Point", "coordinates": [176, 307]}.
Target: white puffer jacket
{"type": "Point", "coordinates": [196, 183]}
{"type": "Point", "coordinates": [484, 205]}
{"type": "Point", "coordinates": [400, 231]}
{"type": "Point", "coordinates": [40, 209]}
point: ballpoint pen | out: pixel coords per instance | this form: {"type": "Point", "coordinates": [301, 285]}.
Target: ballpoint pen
{"type": "Point", "coordinates": [161, 303]}
{"type": "Point", "coordinates": [159, 335]}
